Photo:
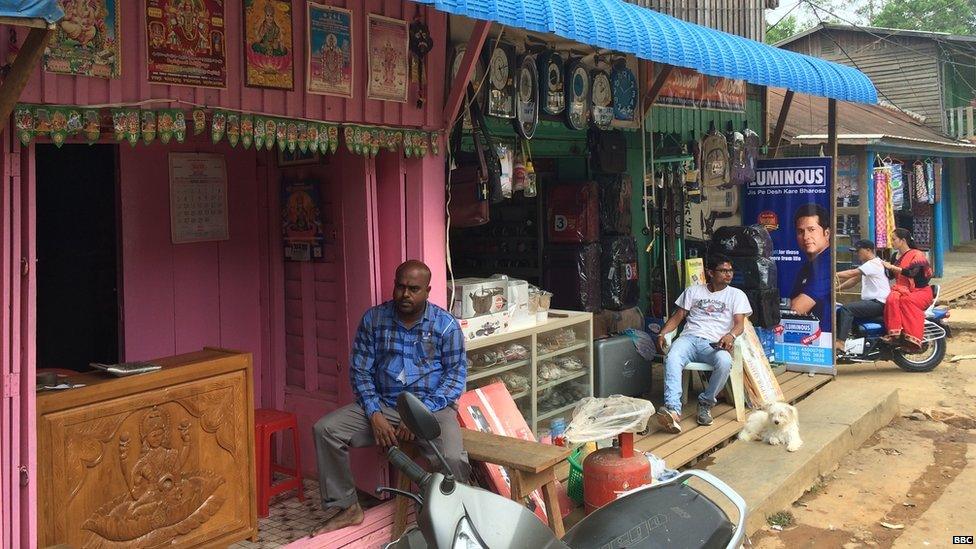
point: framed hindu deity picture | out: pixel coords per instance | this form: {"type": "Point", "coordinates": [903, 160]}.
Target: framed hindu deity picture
{"type": "Point", "coordinates": [269, 52]}
{"type": "Point", "coordinates": [86, 41]}
{"type": "Point", "coordinates": [301, 221]}
{"type": "Point", "coordinates": [329, 51]}
{"type": "Point", "coordinates": [186, 43]}
{"type": "Point", "coordinates": [288, 157]}
{"type": "Point", "coordinates": [387, 41]}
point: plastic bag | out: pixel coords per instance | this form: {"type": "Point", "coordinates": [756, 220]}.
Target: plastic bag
{"type": "Point", "coordinates": [602, 418]}
{"type": "Point", "coordinates": [620, 280]}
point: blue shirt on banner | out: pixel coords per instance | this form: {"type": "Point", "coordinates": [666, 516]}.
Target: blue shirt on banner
{"type": "Point", "coordinates": [813, 280]}
{"type": "Point", "coordinates": [388, 358]}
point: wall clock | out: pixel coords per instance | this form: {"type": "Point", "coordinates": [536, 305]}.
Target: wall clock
{"type": "Point", "coordinates": [501, 82]}
{"type": "Point", "coordinates": [527, 98]}
{"type": "Point", "coordinates": [624, 85]}
{"type": "Point", "coordinates": [476, 78]}
{"type": "Point", "coordinates": [602, 100]}
{"type": "Point", "coordinates": [577, 95]}
{"type": "Point", "coordinates": [552, 83]}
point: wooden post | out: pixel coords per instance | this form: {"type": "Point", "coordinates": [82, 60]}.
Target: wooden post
{"type": "Point", "coordinates": [21, 70]}
{"type": "Point", "coordinates": [832, 149]}
{"type": "Point", "coordinates": [784, 113]}
{"type": "Point", "coordinates": [460, 83]}
{"type": "Point", "coordinates": [655, 90]}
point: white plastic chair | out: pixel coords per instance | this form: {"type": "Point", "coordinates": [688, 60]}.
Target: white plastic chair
{"type": "Point", "coordinates": [736, 382]}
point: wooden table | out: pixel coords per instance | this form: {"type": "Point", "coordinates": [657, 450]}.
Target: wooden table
{"type": "Point", "coordinates": [531, 466]}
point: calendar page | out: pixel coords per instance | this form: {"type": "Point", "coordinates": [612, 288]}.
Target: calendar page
{"type": "Point", "coordinates": [197, 197]}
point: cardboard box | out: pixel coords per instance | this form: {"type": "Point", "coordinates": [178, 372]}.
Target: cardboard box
{"type": "Point", "coordinates": [479, 296]}
{"type": "Point", "coordinates": [485, 325]}
{"type": "Point", "coordinates": [694, 271]}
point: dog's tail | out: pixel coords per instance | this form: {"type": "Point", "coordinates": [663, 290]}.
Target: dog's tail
{"type": "Point", "coordinates": [745, 435]}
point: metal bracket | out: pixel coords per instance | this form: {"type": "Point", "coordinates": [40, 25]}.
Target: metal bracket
{"type": "Point", "coordinates": [24, 476]}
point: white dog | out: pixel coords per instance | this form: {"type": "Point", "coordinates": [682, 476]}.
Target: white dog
{"type": "Point", "coordinates": [775, 424]}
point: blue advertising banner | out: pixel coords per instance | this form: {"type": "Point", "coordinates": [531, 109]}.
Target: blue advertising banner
{"type": "Point", "coordinates": [791, 197]}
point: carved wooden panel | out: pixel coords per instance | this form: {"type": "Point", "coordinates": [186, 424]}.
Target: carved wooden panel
{"type": "Point", "coordinates": [164, 466]}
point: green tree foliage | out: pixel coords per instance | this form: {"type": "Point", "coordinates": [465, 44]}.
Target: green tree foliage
{"type": "Point", "coordinates": [952, 16]}
{"type": "Point", "coordinates": [784, 29]}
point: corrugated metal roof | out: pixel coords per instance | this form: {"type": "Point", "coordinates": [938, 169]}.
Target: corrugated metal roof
{"type": "Point", "coordinates": [47, 10]}
{"type": "Point", "coordinates": [880, 31]}
{"type": "Point", "coordinates": [628, 28]}
{"type": "Point", "coordinates": [859, 125]}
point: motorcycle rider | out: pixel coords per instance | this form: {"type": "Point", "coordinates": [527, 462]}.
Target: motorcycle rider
{"type": "Point", "coordinates": [874, 291]}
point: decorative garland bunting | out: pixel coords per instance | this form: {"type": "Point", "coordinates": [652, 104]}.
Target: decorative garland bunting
{"type": "Point", "coordinates": [134, 124]}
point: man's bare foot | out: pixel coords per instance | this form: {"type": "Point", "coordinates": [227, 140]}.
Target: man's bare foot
{"type": "Point", "coordinates": [347, 517]}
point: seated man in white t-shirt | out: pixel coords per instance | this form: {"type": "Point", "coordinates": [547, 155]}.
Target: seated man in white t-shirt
{"type": "Point", "coordinates": [714, 315]}
{"type": "Point", "coordinates": [874, 291]}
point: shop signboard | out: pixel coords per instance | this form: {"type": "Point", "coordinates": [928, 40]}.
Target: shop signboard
{"type": "Point", "coordinates": [792, 198]}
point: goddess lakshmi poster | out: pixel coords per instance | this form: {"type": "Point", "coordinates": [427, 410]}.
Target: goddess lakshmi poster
{"type": "Point", "coordinates": [388, 47]}
{"type": "Point", "coordinates": [87, 40]}
{"type": "Point", "coordinates": [329, 51]}
{"type": "Point", "coordinates": [186, 42]}
{"type": "Point", "coordinates": [269, 53]}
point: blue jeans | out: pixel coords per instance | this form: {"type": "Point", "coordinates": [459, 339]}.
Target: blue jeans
{"type": "Point", "coordinates": [687, 349]}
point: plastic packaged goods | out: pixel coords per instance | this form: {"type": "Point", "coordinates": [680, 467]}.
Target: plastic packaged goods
{"type": "Point", "coordinates": [754, 273]}
{"type": "Point", "coordinates": [620, 281]}
{"type": "Point", "coordinates": [615, 195]}
{"type": "Point", "coordinates": [602, 418]}
{"type": "Point", "coordinates": [573, 213]}
{"type": "Point", "coordinates": [743, 241]}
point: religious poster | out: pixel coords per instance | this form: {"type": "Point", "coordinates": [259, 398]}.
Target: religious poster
{"type": "Point", "coordinates": [86, 41]}
{"type": "Point", "coordinates": [197, 197]}
{"type": "Point", "coordinates": [387, 43]}
{"type": "Point", "coordinates": [724, 94]}
{"type": "Point", "coordinates": [269, 55]}
{"type": "Point", "coordinates": [683, 88]}
{"type": "Point", "coordinates": [186, 44]}
{"type": "Point", "coordinates": [301, 221]}
{"type": "Point", "coordinates": [329, 51]}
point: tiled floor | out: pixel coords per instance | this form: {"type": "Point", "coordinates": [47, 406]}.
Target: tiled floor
{"type": "Point", "coordinates": [289, 519]}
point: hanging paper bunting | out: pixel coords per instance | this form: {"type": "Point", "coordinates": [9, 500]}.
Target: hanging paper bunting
{"type": "Point", "coordinates": [25, 124]}
{"type": "Point", "coordinates": [233, 128]}
{"type": "Point", "coordinates": [424, 142]}
{"type": "Point", "coordinates": [59, 125]}
{"type": "Point", "coordinates": [259, 130]}
{"type": "Point", "coordinates": [313, 136]}
{"type": "Point", "coordinates": [247, 130]}
{"type": "Point", "coordinates": [374, 141]}
{"type": "Point", "coordinates": [281, 134]}
{"type": "Point", "coordinates": [302, 130]}
{"type": "Point", "coordinates": [270, 131]}
{"type": "Point", "coordinates": [179, 125]}
{"type": "Point", "coordinates": [347, 135]}
{"type": "Point", "coordinates": [333, 132]}
{"type": "Point", "coordinates": [118, 124]}
{"type": "Point", "coordinates": [132, 126]}
{"type": "Point", "coordinates": [165, 124]}
{"type": "Point", "coordinates": [435, 143]}
{"type": "Point", "coordinates": [199, 121]}
{"type": "Point", "coordinates": [92, 125]}
{"type": "Point", "coordinates": [148, 126]}
{"type": "Point", "coordinates": [75, 124]}
{"type": "Point", "coordinates": [408, 144]}
{"type": "Point", "coordinates": [292, 136]}
{"type": "Point", "coordinates": [218, 126]}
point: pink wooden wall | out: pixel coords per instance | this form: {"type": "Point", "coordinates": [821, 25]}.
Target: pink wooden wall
{"type": "Point", "coordinates": [133, 86]}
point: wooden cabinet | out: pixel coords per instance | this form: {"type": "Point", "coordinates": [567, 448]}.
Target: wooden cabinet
{"type": "Point", "coordinates": [550, 377]}
{"type": "Point", "coordinates": [164, 458]}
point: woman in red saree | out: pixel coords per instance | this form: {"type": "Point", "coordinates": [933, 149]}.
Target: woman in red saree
{"type": "Point", "coordinates": [904, 312]}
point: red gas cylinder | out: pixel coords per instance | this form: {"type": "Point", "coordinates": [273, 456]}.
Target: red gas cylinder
{"type": "Point", "coordinates": [609, 471]}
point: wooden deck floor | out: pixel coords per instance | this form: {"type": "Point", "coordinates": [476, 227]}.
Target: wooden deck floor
{"type": "Point", "coordinates": [678, 451]}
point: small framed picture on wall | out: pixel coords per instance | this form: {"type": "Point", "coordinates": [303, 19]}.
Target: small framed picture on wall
{"type": "Point", "coordinates": [288, 158]}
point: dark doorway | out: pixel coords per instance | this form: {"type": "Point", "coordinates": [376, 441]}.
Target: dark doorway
{"type": "Point", "coordinates": [77, 258]}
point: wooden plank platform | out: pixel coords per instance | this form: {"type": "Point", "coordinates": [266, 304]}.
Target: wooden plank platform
{"type": "Point", "coordinates": [956, 288]}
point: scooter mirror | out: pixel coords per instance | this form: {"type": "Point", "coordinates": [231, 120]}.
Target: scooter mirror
{"type": "Point", "coordinates": [417, 417]}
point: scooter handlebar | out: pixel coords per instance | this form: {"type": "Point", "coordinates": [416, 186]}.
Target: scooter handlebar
{"type": "Point", "coordinates": [405, 465]}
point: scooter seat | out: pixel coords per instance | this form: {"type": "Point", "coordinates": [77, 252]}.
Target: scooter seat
{"type": "Point", "coordinates": [871, 328]}
{"type": "Point", "coordinates": [673, 516]}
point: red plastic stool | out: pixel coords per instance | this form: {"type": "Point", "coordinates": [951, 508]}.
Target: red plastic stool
{"type": "Point", "coordinates": [266, 423]}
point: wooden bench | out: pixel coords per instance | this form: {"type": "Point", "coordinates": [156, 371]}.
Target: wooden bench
{"type": "Point", "coordinates": [531, 466]}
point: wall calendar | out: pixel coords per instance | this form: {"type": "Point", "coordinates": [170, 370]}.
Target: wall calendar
{"type": "Point", "coordinates": [197, 197]}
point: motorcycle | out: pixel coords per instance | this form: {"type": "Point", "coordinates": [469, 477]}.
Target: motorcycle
{"type": "Point", "coordinates": [451, 515]}
{"type": "Point", "coordinates": [866, 343]}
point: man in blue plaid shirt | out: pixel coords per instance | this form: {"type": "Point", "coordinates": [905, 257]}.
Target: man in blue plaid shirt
{"type": "Point", "coordinates": [406, 344]}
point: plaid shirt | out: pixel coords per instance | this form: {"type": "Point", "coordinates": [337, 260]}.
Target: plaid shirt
{"type": "Point", "coordinates": [428, 359]}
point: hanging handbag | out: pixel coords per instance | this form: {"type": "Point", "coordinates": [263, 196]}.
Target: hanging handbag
{"type": "Point", "coordinates": [608, 151]}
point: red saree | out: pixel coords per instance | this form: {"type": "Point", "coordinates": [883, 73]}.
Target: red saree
{"type": "Point", "coordinates": [904, 312]}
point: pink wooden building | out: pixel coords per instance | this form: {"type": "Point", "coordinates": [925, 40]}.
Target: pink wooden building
{"type": "Point", "coordinates": [297, 318]}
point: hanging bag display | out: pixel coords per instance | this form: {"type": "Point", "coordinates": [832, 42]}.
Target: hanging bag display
{"type": "Point", "coordinates": [608, 151]}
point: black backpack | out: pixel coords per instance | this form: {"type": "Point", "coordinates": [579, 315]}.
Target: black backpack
{"type": "Point", "coordinates": [608, 151]}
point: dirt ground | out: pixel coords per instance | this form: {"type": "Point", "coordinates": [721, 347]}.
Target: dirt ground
{"type": "Point", "coordinates": [912, 483]}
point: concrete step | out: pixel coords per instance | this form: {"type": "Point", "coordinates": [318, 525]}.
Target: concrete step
{"type": "Point", "coordinates": [833, 421]}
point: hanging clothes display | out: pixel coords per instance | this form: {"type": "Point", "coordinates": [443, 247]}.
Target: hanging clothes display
{"type": "Point", "coordinates": [884, 212]}
{"type": "Point", "coordinates": [938, 180]}
{"type": "Point", "coordinates": [897, 185]}
{"type": "Point", "coordinates": [921, 188]}
{"type": "Point", "coordinates": [930, 180]}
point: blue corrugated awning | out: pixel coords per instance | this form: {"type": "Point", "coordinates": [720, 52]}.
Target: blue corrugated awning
{"type": "Point", "coordinates": [647, 34]}
{"type": "Point", "coordinates": [47, 10]}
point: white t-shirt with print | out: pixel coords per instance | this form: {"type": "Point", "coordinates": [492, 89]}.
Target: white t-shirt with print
{"type": "Point", "coordinates": [711, 314]}
{"type": "Point", "coordinates": [874, 283]}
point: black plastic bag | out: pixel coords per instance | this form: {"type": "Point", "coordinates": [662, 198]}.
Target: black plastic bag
{"type": "Point", "coordinates": [741, 241]}
{"type": "Point", "coordinates": [621, 285]}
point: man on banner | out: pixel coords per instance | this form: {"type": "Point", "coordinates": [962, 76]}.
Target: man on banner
{"type": "Point", "coordinates": [811, 287]}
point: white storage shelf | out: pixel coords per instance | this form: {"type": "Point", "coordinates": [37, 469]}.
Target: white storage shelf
{"type": "Point", "coordinates": [531, 338]}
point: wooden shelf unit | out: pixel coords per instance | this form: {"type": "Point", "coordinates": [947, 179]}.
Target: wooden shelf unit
{"type": "Point", "coordinates": [581, 324]}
